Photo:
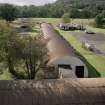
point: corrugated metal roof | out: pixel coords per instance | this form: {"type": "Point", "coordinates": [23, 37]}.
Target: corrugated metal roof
{"type": "Point", "coordinates": [57, 46]}
{"type": "Point", "coordinates": [53, 92]}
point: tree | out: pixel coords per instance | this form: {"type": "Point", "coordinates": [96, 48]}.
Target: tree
{"type": "Point", "coordinates": [103, 13]}
{"type": "Point", "coordinates": [74, 13]}
{"type": "Point", "coordinates": [99, 20]}
{"type": "Point", "coordinates": [15, 49]}
{"type": "Point", "coordinates": [86, 14]}
{"type": "Point", "coordinates": [66, 18]}
{"type": "Point", "coordinates": [10, 45]}
{"type": "Point", "coordinates": [34, 55]}
{"type": "Point", "coordinates": [8, 12]}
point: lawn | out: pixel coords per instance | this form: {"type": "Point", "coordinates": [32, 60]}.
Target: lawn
{"type": "Point", "coordinates": [5, 75]}
{"type": "Point", "coordinates": [103, 46]}
{"type": "Point", "coordinates": [35, 31]}
{"type": "Point", "coordinates": [48, 20]}
{"type": "Point", "coordinates": [97, 30]}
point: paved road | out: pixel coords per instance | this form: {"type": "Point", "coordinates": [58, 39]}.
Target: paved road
{"type": "Point", "coordinates": [95, 39]}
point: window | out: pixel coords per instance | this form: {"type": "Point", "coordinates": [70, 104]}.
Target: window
{"type": "Point", "coordinates": [64, 66]}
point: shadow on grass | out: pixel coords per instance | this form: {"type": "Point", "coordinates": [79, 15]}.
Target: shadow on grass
{"type": "Point", "coordinates": [92, 72]}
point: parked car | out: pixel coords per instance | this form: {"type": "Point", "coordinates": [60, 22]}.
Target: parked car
{"type": "Point", "coordinates": [88, 31]}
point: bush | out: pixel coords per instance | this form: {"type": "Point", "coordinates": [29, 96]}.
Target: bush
{"type": "Point", "coordinates": [8, 12]}
{"type": "Point", "coordinates": [40, 75]}
{"type": "Point", "coordinates": [99, 20]}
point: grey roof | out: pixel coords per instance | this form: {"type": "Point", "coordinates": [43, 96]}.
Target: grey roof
{"type": "Point", "coordinates": [53, 92]}
{"type": "Point", "coordinates": [57, 46]}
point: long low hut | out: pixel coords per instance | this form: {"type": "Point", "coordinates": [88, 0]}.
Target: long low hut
{"type": "Point", "coordinates": [68, 27]}
{"type": "Point", "coordinates": [53, 92]}
{"type": "Point", "coordinates": [62, 54]}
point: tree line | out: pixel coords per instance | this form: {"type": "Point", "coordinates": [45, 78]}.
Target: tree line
{"type": "Point", "coordinates": [76, 8]}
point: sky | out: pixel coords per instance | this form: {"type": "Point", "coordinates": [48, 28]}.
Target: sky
{"type": "Point", "coordinates": [27, 2]}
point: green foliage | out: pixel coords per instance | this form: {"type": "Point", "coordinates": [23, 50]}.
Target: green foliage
{"type": "Point", "coordinates": [103, 13]}
{"type": "Point", "coordinates": [21, 52]}
{"type": "Point", "coordinates": [33, 54]}
{"type": "Point", "coordinates": [86, 14]}
{"type": "Point", "coordinates": [8, 12]}
{"type": "Point", "coordinates": [10, 45]}
{"type": "Point", "coordinates": [99, 20]}
{"type": "Point", "coordinates": [77, 8]}
{"type": "Point", "coordinates": [40, 75]}
{"type": "Point", "coordinates": [66, 18]}
{"type": "Point", "coordinates": [80, 13]}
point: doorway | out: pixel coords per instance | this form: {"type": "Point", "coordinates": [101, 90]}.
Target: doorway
{"type": "Point", "coordinates": [80, 71]}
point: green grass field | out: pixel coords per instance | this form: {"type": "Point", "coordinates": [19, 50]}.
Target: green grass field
{"type": "Point", "coordinates": [35, 31]}
{"type": "Point", "coordinates": [5, 75]}
{"type": "Point", "coordinates": [103, 46]}
{"type": "Point", "coordinates": [48, 20]}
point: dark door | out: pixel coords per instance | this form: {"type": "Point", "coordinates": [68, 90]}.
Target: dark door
{"type": "Point", "coordinates": [80, 71]}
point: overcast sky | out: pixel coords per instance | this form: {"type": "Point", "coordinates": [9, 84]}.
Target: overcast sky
{"type": "Point", "coordinates": [27, 2]}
